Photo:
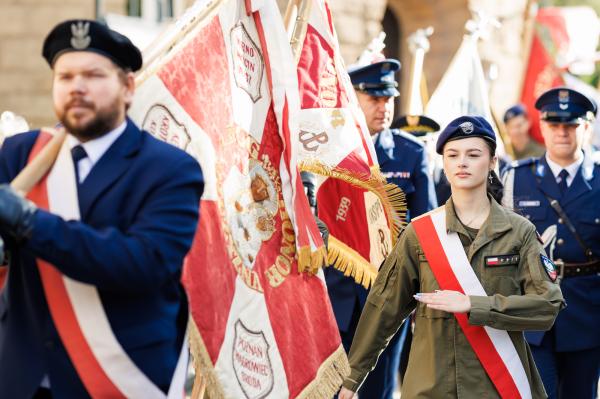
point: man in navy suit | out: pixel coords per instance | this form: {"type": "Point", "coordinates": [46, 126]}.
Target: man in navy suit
{"type": "Point", "coordinates": [403, 161]}
{"type": "Point", "coordinates": [119, 261]}
{"type": "Point", "coordinates": [559, 192]}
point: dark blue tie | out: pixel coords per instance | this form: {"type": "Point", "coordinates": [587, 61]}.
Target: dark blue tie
{"type": "Point", "coordinates": [562, 181]}
{"type": "Point", "coordinates": [78, 153]}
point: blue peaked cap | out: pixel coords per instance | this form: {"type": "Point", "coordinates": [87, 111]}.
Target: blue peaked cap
{"type": "Point", "coordinates": [564, 105]}
{"type": "Point", "coordinates": [514, 111]}
{"type": "Point", "coordinates": [377, 79]}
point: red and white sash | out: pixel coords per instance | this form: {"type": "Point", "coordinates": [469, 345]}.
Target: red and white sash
{"type": "Point", "coordinates": [77, 311]}
{"type": "Point", "coordinates": [452, 270]}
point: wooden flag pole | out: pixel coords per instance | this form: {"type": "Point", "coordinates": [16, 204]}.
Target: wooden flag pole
{"type": "Point", "coordinates": [300, 27]}
{"type": "Point", "coordinates": [35, 170]}
{"type": "Point", "coordinates": [527, 40]}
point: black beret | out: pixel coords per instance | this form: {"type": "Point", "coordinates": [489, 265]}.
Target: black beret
{"type": "Point", "coordinates": [418, 125]}
{"type": "Point", "coordinates": [87, 35]}
{"type": "Point", "coordinates": [514, 111]}
{"type": "Point", "coordinates": [464, 127]}
{"type": "Point", "coordinates": [564, 105]}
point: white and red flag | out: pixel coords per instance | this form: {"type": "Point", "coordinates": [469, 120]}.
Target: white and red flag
{"type": "Point", "coordinates": [361, 211]}
{"type": "Point", "coordinates": [225, 90]}
{"type": "Point", "coordinates": [565, 38]}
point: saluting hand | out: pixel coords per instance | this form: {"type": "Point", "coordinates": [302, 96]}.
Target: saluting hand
{"type": "Point", "coordinates": [345, 393]}
{"type": "Point", "coordinates": [448, 301]}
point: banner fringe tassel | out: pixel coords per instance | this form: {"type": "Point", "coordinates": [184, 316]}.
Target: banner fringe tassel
{"type": "Point", "coordinates": [391, 196]}
{"type": "Point", "coordinates": [351, 263]}
{"type": "Point", "coordinates": [329, 378]}
{"type": "Point", "coordinates": [202, 363]}
{"type": "Point", "coordinates": [326, 383]}
{"type": "Point", "coordinates": [311, 261]}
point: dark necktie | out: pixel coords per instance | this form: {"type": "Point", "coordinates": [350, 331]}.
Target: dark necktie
{"type": "Point", "coordinates": [78, 153]}
{"type": "Point", "coordinates": [562, 181]}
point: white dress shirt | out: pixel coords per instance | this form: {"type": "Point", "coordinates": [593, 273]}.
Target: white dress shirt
{"type": "Point", "coordinates": [94, 149]}
{"type": "Point", "coordinates": [571, 169]}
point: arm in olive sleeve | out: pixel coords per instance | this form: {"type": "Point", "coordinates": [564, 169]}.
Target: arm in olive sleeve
{"type": "Point", "coordinates": [535, 309]}
{"type": "Point", "coordinates": [389, 302]}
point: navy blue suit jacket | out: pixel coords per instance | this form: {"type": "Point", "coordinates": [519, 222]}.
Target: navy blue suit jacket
{"type": "Point", "coordinates": [403, 161]}
{"type": "Point", "coordinates": [577, 327]}
{"type": "Point", "coordinates": [139, 210]}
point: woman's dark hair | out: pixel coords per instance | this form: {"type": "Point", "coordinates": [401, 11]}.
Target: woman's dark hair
{"type": "Point", "coordinates": [494, 185]}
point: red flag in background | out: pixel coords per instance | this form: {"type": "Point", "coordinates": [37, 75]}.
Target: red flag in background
{"type": "Point", "coordinates": [362, 212]}
{"type": "Point", "coordinates": [563, 38]}
{"type": "Point", "coordinates": [225, 90]}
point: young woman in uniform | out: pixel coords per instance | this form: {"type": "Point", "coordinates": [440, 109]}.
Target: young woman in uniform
{"type": "Point", "coordinates": [478, 277]}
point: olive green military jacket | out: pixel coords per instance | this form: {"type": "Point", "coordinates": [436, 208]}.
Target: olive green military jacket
{"type": "Point", "coordinates": [442, 363]}
{"type": "Point", "coordinates": [532, 149]}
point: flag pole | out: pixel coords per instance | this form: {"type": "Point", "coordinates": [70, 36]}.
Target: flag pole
{"type": "Point", "coordinates": [33, 172]}
{"type": "Point", "coordinates": [290, 13]}
{"type": "Point", "coordinates": [300, 27]}
{"type": "Point", "coordinates": [529, 16]}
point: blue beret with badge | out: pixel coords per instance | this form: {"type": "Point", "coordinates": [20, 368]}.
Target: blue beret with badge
{"type": "Point", "coordinates": [465, 127]}
{"type": "Point", "coordinates": [514, 111]}
{"type": "Point", "coordinates": [377, 79]}
{"type": "Point", "coordinates": [564, 105]}
{"type": "Point", "coordinates": [88, 35]}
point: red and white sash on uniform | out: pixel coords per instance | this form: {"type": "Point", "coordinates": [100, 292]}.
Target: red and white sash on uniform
{"type": "Point", "coordinates": [77, 311]}
{"type": "Point", "coordinates": [452, 270]}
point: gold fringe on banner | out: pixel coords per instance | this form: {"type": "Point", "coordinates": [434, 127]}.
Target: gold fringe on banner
{"type": "Point", "coordinates": [391, 196]}
{"type": "Point", "coordinates": [350, 262]}
{"type": "Point", "coordinates": [330, 377]}
{"type": "Point", "coordinates": [202, 363]}
{"type": "Point", "coordinates": [311, 261]}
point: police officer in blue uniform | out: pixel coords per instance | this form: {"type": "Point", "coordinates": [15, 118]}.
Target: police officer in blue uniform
{"type": "Point", "coordinates": [559, 192]}
{"type": "Point", "coordinates": [403, 161]}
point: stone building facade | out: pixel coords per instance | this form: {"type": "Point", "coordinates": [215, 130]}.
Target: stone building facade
{"type": "Point", "coordinates": [25, 79]}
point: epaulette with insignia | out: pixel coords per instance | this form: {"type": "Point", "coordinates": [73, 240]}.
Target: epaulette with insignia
{"type": "Point", "coordinates": [523, 162]}
{"type": "Point", "coordinates": [596, 157]}
{"type": "Point", "coordinates": [407, 136]}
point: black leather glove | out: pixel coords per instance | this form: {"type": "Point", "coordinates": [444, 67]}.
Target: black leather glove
{"type": "Point", "coordinates": [16, 214]}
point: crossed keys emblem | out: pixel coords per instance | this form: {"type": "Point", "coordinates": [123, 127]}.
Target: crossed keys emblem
{"type": "Point", "coordinates": [311, 141]}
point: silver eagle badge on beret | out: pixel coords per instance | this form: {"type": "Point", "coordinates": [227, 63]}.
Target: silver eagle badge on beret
{"type": "Point", "coordinates": [467, 127]}
{"type": "Point", "coordinates": [81, 39]}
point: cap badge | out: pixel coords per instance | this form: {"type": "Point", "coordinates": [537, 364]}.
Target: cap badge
{"type": "Point", "coordinates": [563, 106]}
{"type": "Point", "coordinates": [510, 115]}
{"type": "Point", "coordinates": [563, 96]}
{"type": "Point", "coordinates": [467, 127]}
{"type": "Point", "coordinates": [81, 39]}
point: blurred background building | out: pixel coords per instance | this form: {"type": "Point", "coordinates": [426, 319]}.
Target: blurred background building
{"type": "Point", "coordinates": [25, 79]}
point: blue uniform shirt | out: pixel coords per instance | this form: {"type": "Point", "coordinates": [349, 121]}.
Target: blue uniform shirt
{"type": "Point", "coordinates": [403, 161]}
{"type": "Point", "coordinates": [529, 187]}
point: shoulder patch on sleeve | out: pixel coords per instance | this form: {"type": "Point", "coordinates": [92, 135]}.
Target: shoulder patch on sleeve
{"type": "Point", "coordinates": [549, 267]}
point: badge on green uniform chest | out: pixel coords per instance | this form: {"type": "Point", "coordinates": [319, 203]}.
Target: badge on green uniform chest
{"type": "Point", "coordinates": [502, 260]}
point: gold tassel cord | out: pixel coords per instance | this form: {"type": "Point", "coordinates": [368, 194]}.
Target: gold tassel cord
{"type": "Point", "coordinates": [351, 263]}
{"type": "Point", "coordinates": [311, 261]}
{"type": "Point", "coordinates": [391, 196]}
